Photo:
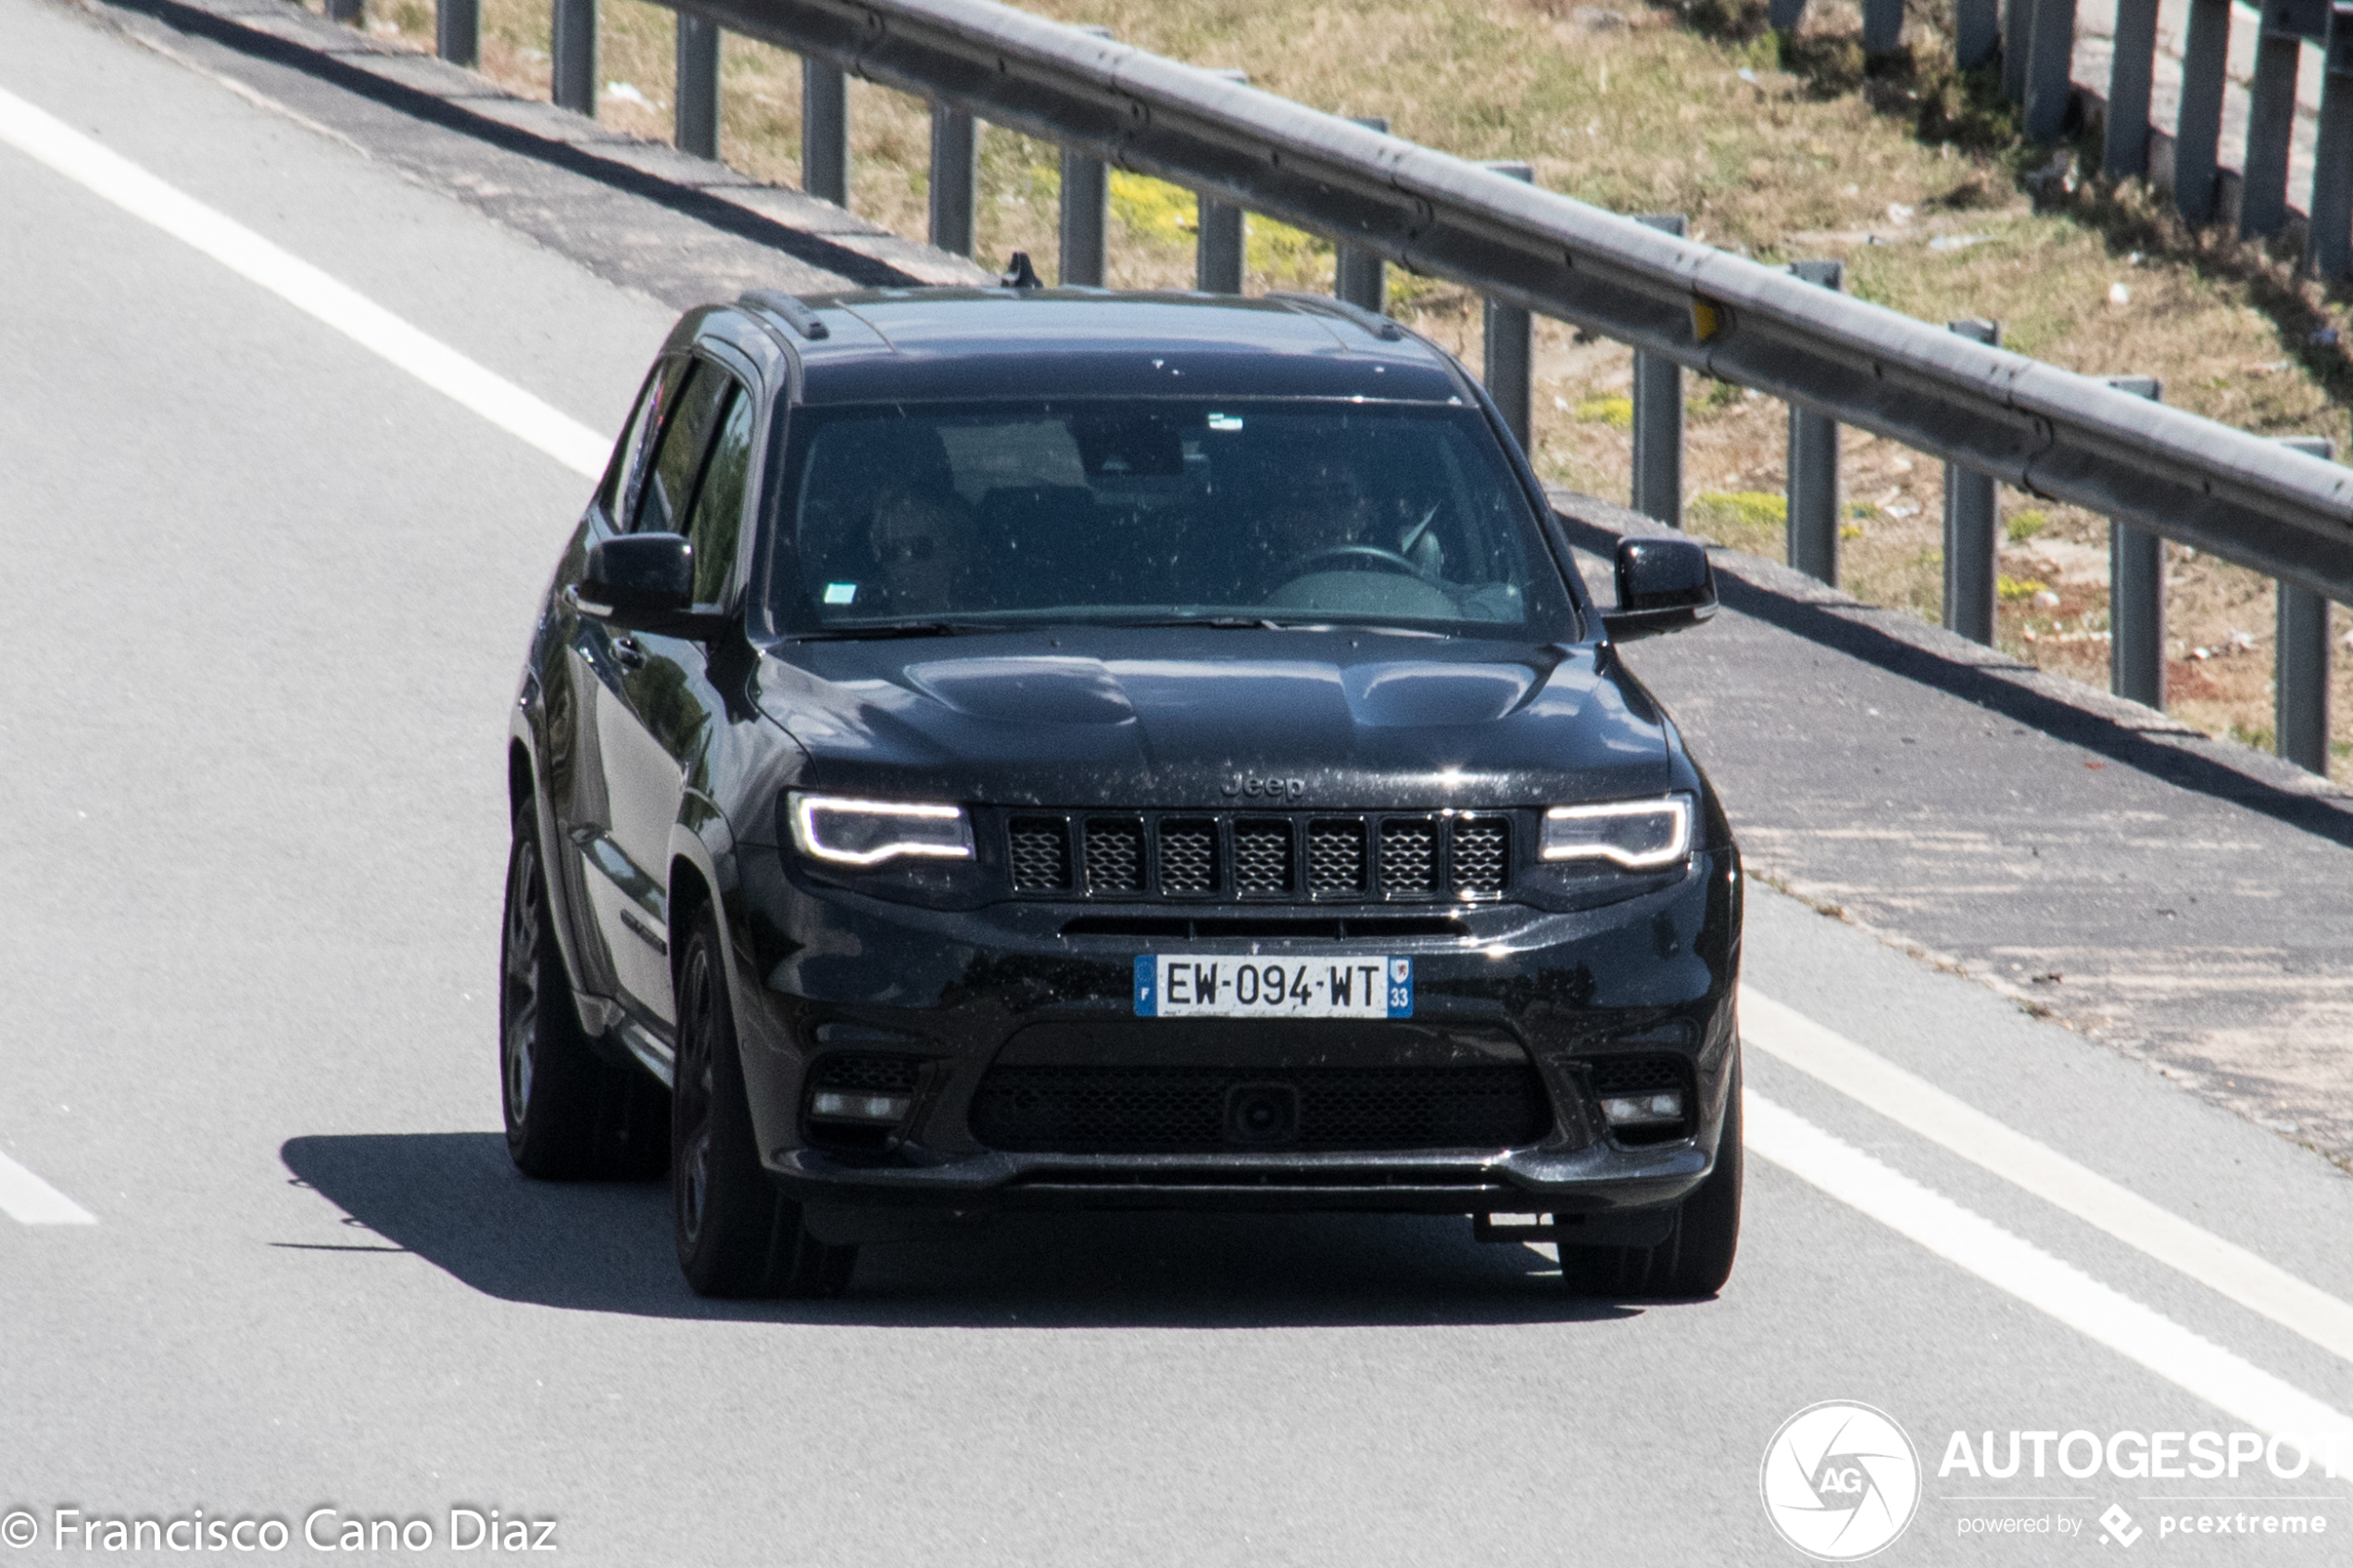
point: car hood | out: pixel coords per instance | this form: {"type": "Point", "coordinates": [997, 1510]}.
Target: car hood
{"type": "Point", "coordinates": [1197, 717]}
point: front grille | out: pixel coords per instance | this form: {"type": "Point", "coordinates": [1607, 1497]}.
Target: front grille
{"type": "Point", "coordinates": [1039, 853]}
{"type": "Point", "coordinates": [1335, 857]}
{"type": "Point", "coordinates": [1480, 856]}
{"type": "Point", "coordinates": [1114, 855]}
{"type": "Point", "coordinates": [1188, 856]}
{"type": "Point", "coordinates": [1409, 858]}
{"type": "Point", "coordinates": [1355, 858]}
{"type": "Point", "coordinates": [1186, 1110]}
{"type": "Point", "coordinates": [1262, 856]}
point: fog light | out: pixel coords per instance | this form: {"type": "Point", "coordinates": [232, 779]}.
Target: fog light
{"type": "Point", "coordinates": [1644, 1111]}
{"type": "Point", "coordinates": [836, 1105]}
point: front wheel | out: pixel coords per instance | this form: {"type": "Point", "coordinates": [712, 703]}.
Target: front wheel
{"type": "Point", "coordinates": [737, 1236]}
{"type": "Point", "coordinates": [1696, 1259]}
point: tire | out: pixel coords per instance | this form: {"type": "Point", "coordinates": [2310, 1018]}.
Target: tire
{"type": "Point", "coordinates": [737, 1236]}
{"type": "Point", "coordinates": [1696, 1259]}
{"type": "Point", "coordinates": [570, 1115]}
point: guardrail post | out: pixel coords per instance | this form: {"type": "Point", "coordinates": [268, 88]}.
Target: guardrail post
{"type": "Point", "coordinates": [2018, 43]}
{"type": "Point", "coordinates": [2125, 142]}
{"type": "Point", "coordinates": [1813, 464]}
{"type": "Point", "coordinates": [2050, 83]}
{"type": "Point", "coordinates": [2300, 660]}
{"type": "Point", "coordinates": [825, 130]}
{"type": "Point", "coordinates": [1972, 549]}
{"type": "Point", "coordinates": [2332, 251]}
{"type": "Point", "coordinates": [1086, 213]}
{"type": "Point", "coordinates": [955, 176]}
{"type": "Point", "coordinates": [1217, 233]}
{"type": "Point", "coordinates": [1359, 276]}
{"type": "Point", "coordinates": [351, 13]}
{"type": "Point", "coordinates": [1086, 217]}
{"type": "Point", "coordinates": [2136, 594]}
{"type": "Point", "coordinates": [696, 104]}
{"type": "Point", "coordinates": [2270, 124]}
{"type": "Point", "coordinates": [573, 45]}
{"type": "Point", "coordinates": [1977, 31]}
{"type": "Point", "coordinates": [1883, 25]}
{"type": "Point", "coordinates": [1509, 339]}
{"type": "Point", "coordinates": [1658, 416]}
{"type": "Point", "coordinates": [457, 31]}
{"type": "Point", "coordinates": [2198, 134]}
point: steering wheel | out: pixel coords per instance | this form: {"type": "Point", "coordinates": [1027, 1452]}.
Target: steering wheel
{"type": "Point", "coordinates": [1388, 558]}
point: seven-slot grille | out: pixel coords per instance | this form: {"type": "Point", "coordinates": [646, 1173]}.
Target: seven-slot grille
{"type": "Point", "coordinates": [1356, 857]}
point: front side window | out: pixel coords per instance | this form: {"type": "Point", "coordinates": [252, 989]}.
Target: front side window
{"type": "Point", "coordinates": [1292, 511]}
{"type": "Point", "coordinates": [629, 457]}
{"type": "Point", "coordinates": [719, 500]}
{"type": "Point", "coordinates": [662, 507]}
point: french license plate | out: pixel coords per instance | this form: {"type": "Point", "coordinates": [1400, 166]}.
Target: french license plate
{"type": "Point", "coordinates": [1183, 985]}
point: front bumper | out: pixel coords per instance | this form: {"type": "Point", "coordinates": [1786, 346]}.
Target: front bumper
{"type": "Point", "coordinates": [825, 974]}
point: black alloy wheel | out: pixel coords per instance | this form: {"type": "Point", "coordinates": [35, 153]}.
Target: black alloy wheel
{"type": "Point", "coordinates": [1696, 1259]}
{"type": "Point", "coordinates": [569, 1114]}
{"type": "Point", "coordinates": [737, 1236]}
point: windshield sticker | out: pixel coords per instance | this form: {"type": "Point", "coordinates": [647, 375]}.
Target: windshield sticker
{"type": "Point", "coordinates": [841, 593]}
{"type": "Point", "coordinates": [1225, 422]}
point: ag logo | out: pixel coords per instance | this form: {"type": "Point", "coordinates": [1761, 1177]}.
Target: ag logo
{"type": "Point", "coordinates": [1839, 1481]}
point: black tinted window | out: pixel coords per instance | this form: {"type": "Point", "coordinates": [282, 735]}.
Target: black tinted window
{"type": "Point", "coordinates": [719, 502]}
{"type": "Point", "coordinates": [669, 484]}
{"type": "Point", "coordinates": [644, 421]}
{"type": "Point", "coordinates": [1293, 511]}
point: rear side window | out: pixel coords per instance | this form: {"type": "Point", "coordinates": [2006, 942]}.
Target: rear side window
{"type": "Point", "coordinates": [719, 504]}
{"type": "Point", "coordinates": [670, 479]}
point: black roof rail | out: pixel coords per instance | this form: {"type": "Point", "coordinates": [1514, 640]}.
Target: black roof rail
{"type": "Point", "coordinates": [789, 309]}
{"type": "Point", "coordinates": [1372, 321]}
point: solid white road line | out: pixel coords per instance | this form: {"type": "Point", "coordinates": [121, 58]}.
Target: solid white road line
{"type": "Point", "coordinates": [1914, 1102]}
{"type": "Point", "coordinates": [29, 1200]}
{"type": "Point", "coordinates": [2060, 1289]}
{"type": "Point", "coordinates": [140, 193]}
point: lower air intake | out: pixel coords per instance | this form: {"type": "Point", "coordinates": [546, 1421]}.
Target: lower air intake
{"type": "Point", "coordinates": [1191, 1110]}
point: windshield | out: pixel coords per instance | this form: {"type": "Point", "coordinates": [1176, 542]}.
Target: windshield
{"type": "Point", "coordinates": [1229, 512]}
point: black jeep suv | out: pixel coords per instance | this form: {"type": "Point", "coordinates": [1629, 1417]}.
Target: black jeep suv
{"type": "Point", "coordinates": [1009, 748]}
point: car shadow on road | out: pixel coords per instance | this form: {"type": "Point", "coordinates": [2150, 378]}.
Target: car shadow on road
{"type": "Point", "coordinates": [453, 1200]}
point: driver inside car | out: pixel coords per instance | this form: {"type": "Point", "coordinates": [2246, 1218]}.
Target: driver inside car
{"type": "Point", "coordinates": [1313, 508]}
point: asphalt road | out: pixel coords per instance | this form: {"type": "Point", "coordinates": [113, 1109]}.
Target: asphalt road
{"type": "Point", "coordinates": [269, 593]}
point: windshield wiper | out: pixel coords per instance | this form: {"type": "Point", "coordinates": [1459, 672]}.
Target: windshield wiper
{"type": "Point", "coordinates": [1229, 624]}
{"type": "Point", "coordinates": [893, 629]}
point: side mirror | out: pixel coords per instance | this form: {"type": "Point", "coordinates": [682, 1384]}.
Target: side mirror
{"type": "Point", "coordinates": [1662, 586]}
{"type": "Point", "coordinates": [639, 582]}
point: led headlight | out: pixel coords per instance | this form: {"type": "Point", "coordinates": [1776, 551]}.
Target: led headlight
{"type": "Point", "coordinates": [1633, 833]}
{"type": "Point", "coordinates": [865, 832]}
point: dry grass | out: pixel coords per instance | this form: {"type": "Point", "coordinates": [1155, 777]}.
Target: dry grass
{"type": "Point", "coordinates": [1780, 149]}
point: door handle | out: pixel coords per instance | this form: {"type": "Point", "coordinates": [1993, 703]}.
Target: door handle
{"type": "Point", "coordinates": [628, 653]}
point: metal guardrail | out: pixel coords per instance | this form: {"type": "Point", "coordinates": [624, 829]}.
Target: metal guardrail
{"type": "Point", "coordinates": [1835, 359]}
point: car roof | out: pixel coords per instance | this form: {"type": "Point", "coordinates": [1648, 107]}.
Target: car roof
{"type": "Point", "coordinates": [949, 343]}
